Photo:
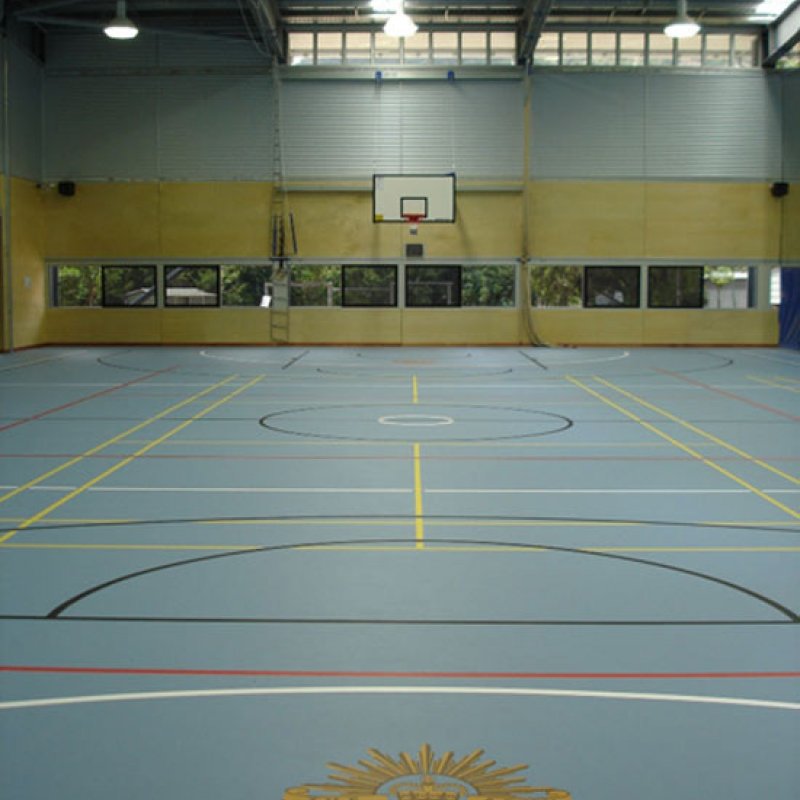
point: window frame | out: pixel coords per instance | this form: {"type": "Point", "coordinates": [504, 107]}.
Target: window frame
{"type": "Point", "coordinates": [652, 269]}
{"type": "Point", "coordinates": [104, 270]}
{"type": "Point", "coordinates": [392, 269]}
{"type": "Point", "coordinates": [183, 267]}
{"type": "Point", "coordinates": [409, 270]}
{"type": "Point", "coordinates": [589, 270]}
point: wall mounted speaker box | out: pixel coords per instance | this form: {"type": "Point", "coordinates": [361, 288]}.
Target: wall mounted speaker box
{"type": "Point", "coordinates": [779, 189]}
{"type": "Point", "coordinates": [66, 188]}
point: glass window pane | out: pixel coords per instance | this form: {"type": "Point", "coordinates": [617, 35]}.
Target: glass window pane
{"type": "Point", "coordinates": [329, 48]}
{"type": "Point", "coordinates": [718, 46]}
{"type": "Point", "coordinates": [488, 286]}
{"type": "Point", "coordinates": [675, 287]}
{"type": "Point", "coordinates": [775, 286]}
{"type": "Point", "coordinates": [474, 47]}
{"type": "Point", "coordinates": [301, 48]}
{"type": "Point", "coordinates": [575, 48]}
{"type": "Point", "coordinates": [129, 286]}
{"type": "Point", "coordinates": [745, 50]}
{"type": "Point", "coordinates": [556, 287]}
{"type": "Point", "coordinates": [604, 49]}
{"type": "Point", "coordinates": [417, 48]}
{"type": "Point", "coordinates": [445, 47]}
{"type": "Point", "coordinates": [387, 49]}
{"type": "Point", "coordinates": [369, 286]}
{"type": "Point", "coordinates": [690, 51]}
{"type": "Point", "coordinates": [77, 286]}
{"type": "Point", "coordinates": [611, 287]}
{"type": "Point", "coordinates": [433, 286]}
{"type": "Point", "coordinates": [661, 47]}
{"type": "Point", "coordinates": [546, 51]}
{"type": "Point", "coordinates": [246, 285]}
{"type": "Point", "coordinates": [631, 49]}
{"type": "Point", "coordinates": [191, 286]}
{"type": "Point", "coordinates": [726, 287]}
{"type": "Point", "coordinates": [357, 48]}
{"type": "Point", "coordinates": [503, 47]}
{"type": "Point", "coordinates": [316, 285]}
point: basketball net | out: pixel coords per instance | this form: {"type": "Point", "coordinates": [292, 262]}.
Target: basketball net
{"type": "Point", "coordinates": [413, 222]}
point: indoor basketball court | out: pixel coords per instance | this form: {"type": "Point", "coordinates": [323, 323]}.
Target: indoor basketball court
{"type": "Point", "coordinates": [236, 566]}
{"type": "Point", "coordinates": [399, 400]}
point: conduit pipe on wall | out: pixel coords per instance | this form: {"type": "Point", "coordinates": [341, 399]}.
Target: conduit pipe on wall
{"type": "Point", "coordinates": [7, 337]}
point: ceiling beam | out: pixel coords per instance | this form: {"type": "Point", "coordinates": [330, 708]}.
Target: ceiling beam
{"type": "Point", "coordinates": [782, 35]}
{"type": "Point", "coordinates": [533, 20]}
{"type": "Point", "coordinates": [270, 25]}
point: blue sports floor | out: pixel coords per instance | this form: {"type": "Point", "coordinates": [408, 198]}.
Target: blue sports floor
{"type": "Point", "coordinates": [224, 572]}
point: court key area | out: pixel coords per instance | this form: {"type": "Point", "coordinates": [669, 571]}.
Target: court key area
{"type": "Point", "coordinates": [403, 573]}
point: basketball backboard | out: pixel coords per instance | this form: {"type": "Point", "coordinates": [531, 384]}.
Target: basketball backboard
{"type": "Point", "coordinates": [431, 198]}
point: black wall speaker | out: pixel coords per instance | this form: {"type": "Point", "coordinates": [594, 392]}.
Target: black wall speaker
{"type": "Point", "coordinates": [66, 188]}
{"type": "Point", "coordinates": [779, 189]}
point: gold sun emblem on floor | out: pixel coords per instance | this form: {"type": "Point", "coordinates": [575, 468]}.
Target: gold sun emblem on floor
{"type": "Point", "coordinates": [425, 777]}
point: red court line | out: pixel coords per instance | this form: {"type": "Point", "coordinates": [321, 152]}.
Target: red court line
{"type": "Point", "coordinates": [733, 396]}
{"type": "Point", "coordinates": [84, 399]}
{"type": "Point", "coordinates": [292, 673]}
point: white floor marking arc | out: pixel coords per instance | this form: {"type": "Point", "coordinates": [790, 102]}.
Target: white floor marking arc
{"type": "Point", "coordinates": [49, 702]}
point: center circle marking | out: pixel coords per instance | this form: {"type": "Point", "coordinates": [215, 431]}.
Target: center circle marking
{"type": "Point", "coordinates": [411, 420]}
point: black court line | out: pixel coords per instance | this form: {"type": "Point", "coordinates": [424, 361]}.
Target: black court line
{"type": "Point", "coordinates": [790, 615]}
{"type": "Point", "coordinates": [533, 360]}
{"type": "Point", "coordinates": [522, 623]}
{"type": "Point", "coordinates": [295, 360]}
{"type": "Point", "coordinates": [563, 423]}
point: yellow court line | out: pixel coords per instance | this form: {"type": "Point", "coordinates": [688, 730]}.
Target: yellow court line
{"type": "Point", "coordinates": [686, 449]}
{"type": "Point", "coordinates": [397, 548]}
{"type": "Point", "coordinates": [419, 524]}
{"type": "Point", "coordinates": [774, 384]}
{"type": "Point", "coordinates": [700, 431]}
{"type": "Point", "coordinates": [120, 464]}
{"type": "Point", "coordinates": [94, 450]}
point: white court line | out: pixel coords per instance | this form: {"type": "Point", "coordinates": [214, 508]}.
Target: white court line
{"type": "Point", "coordinates": [606, 491]}
{"type": "Point", "coordinates": [46, 702]}
{"type": "Point", "coordinates": [377, 490]}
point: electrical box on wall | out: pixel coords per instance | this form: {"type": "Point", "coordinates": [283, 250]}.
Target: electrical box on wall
{"type": "Point", "coordinates": [415, 251]}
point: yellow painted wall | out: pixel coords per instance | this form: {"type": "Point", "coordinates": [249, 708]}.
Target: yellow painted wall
{"type": "Point", "coordinates": [566, 220]}
{"type": "Point", "coordinates": [27, 271]}
{"type": "Point", "coordinates": [655, 327]}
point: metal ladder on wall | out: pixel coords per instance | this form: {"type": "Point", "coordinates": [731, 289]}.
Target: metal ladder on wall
{"type": "Point", "coordinates": [283, 235]}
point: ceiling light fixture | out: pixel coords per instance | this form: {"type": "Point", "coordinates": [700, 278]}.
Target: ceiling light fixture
{"type": "Point", "coordinates": [121, 27]}
{"type": "Point", "coordinates": [400, 25]}
{"type": "Point", "coordinates": [683, 26]}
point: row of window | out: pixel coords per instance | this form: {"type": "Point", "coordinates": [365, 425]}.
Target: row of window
{"type": "Point", "coordinates": [362, 48]}
{"type": "Point", "coordinates": [423, 286]}
{"type": "Point", "coordinates": [620, 287]}
{"type": "Point", "coordinates": [622, 49]}
{"type": "Point", "coordinates": [575, 48]}
{"type": "Point", "coordinates": [137, 286]}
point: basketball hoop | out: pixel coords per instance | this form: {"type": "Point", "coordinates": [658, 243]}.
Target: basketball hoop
{"type": "Point", "coordinates": [413, 221]}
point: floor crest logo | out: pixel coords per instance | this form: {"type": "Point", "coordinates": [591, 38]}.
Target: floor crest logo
{"type": "Point", "coordinates": [425, 777]}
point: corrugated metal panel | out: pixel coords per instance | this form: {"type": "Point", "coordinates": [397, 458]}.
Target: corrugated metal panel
{"type": "Point", "coordinates": [713, 126]}
{"type": "Point", "coordinates": [25, 114]}
{"type": "Point", "coordinates": [587, 125]}
{"type": "Point", "coordinates": [215, 128]}
{"type": "Point", "coordinates": [790, 84]}
{"type": "Point", "coordinates": [341, 129]}
{"type": "Point", "coordinates": [191, 53]}
{"type": "Point", "coordinates": [93, 51]}
{"type": "Point", "coordinates": [99, 128]}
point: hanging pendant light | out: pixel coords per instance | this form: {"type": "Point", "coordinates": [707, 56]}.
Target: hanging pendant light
{"type": "Point", "coordinates": [683, 26]}
{"type": "Point", "coordinates": [121, 27]}
{"type": "Point", "coordinates": [400, 25]}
